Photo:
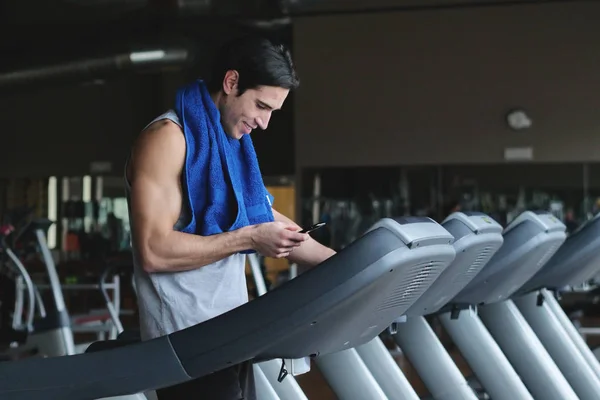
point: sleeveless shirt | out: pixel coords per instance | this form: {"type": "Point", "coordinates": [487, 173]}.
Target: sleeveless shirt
{"type": "Point", "coordinates": [171, 301]}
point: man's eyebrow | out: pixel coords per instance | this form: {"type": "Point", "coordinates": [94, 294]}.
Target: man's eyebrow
{"type": "Point", "coordinates": [263, 104]}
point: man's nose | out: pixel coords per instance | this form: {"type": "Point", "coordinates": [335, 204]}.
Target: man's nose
{"type": "Point", "coordinates": [263, 121]}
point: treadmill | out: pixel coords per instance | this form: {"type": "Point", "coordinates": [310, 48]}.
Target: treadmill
{"type": "Point", "coordinates": [529, 242]}
{"type": "Point", "coordinates": [15, 332]}
{"type": "Point", "coordinates": [52, 334]}
{"type": "Point", "coordinates": [477, 238]}
{"type": "Point", "coordinates": [576, 262]}
{"type": "Point", "coordinates": [369, 370]}
{"type": "Point", "coordinates": [344, 302]}
{"type": "Point", "coordinates": [266, 373]}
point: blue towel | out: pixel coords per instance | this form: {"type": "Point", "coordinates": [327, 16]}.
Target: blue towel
{"type": "Point", "coordinates": [222, 177]}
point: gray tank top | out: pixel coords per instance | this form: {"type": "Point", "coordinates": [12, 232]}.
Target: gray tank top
{"type": "Point", "coordinates": [169, 302]}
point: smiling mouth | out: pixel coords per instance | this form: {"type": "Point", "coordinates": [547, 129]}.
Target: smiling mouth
{"type": "Point", "coordinates": [248, 127]}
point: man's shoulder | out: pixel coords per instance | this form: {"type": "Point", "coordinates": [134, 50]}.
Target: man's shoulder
{"type": "Point", "coordinates": [164, 134]}
{"type": "Point", "coordinates": [163, 126]}
{"type": "Point", "coordinates": [161, 145]}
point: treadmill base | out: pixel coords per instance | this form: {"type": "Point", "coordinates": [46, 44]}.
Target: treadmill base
{"type": "Point", "coordinates": [525, 352]}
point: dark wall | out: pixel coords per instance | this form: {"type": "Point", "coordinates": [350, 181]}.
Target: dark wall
{"type": "Point", "coordinates": [59, 131]}
{"type": "Point", "coordinates": [432, 87]}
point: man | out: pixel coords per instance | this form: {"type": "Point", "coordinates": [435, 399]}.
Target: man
{"type": "Point", "coordinates": [194, 190]}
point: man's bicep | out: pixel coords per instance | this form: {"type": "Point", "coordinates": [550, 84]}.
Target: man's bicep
{"type": "Point", "coordinates": [152, 204]}
{"type": "Point", "coordinates": [155, 190]}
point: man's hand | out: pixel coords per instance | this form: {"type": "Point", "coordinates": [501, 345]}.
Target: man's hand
{"type": "Point", "coordinates": [277, 239]}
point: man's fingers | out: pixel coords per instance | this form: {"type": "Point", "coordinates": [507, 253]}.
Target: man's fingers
{"type": "Point", "coordinates": [291, 244]}
{"type": "Point", "coordinates": [284, 250]}
{"type": "Point", "coordinates": [287, 244]}
{"type": "Point", "coordinates": [297, 237]}
{"type": "Point", "coordinates": [282, 255]}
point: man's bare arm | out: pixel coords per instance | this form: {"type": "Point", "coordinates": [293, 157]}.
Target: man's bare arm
{"type": "Point", "coordinates": [311, 252]}
{"type": "Point", "coordinates": [154, 173]}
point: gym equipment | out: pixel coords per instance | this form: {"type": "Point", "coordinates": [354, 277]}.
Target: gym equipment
{"type": "Point", "coordinates": [537, 236]}
{"type": "Point", "coordinates": [14, 332]}
{"type": "Point", "coordinates": [288, 388]}
{"type": "Point", "coordinates": [482, 353]}
{"type": "Point", "coordinates": [477, 239]}
{"type": "Point", "coordinates": [559, 345]}
{"type": "Point", "coordinates": [590, 356]}
{"type": "Point", "coordinates": [21, 287]}
{"type": "Point", "coordinates": [375, 357]}
{"type": "Point", "coordinates": [577, 261]}
{"type": "Point", "coordinates": [264, 390]}
{"type": "Point", "coordinates": [427, 245]}
{"type": "Point", "coordinates": [422, 347]}
{"type": "Point", "coordinates": [529, 242]}
{"type": "Point", "coordinates": [380, 363]}
{"type": "Point", "coordinates": [51, 342]}
{"type": "Point", "coordinates": [349, 377]}
{"type": "Point", "coordinates": [574, 263]}
{"type": "Point", "coordinates": [344, 302]}
{"type": "Point", "coordinates": [121, 269]}
{"type": "Point", "coordinates": [52, 335]}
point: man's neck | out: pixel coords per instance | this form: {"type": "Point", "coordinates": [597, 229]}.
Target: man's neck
{"type": "Point", "coordinates": [218, 99]}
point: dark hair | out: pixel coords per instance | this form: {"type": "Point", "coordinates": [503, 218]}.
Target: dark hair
{"type": "Point", "coordinates": [259, 62]}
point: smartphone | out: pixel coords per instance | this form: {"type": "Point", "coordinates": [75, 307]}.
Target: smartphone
{"type": "Point", "coordinates": [314, 227]}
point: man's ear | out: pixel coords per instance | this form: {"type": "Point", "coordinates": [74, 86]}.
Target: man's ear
{"type": "Point", "coordinates": [230, 81]}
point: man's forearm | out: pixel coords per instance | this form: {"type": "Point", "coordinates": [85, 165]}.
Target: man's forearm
{"type": "Point", "coordinates": [178, 251]}
{"type": "Point", "coordinates": [311, 252]}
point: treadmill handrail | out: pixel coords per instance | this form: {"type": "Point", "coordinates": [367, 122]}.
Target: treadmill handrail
{"type": "Point", "coordinates": [57, 293]}
{"type": "Point", "coordinates": [31, 299]}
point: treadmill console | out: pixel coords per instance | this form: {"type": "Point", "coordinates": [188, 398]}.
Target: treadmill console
{"type": "Point", "coordinates": [529, 242]}
{"type": "Point", "coordinates": [575, 262]}
{"type": "Point", "coordinates": [412, 220]}
{"type": "Point", "coordinates": [415, 231]}
{"type": "Point", "coordinates": [545, 219]}
{"type": "Point", "coordinates": [586, 224]}
{"type": "Point", "coordinates": [477, 222]}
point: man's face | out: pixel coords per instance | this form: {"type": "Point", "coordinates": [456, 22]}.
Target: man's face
{"type": "Point", "coordinates": [242, 114]}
